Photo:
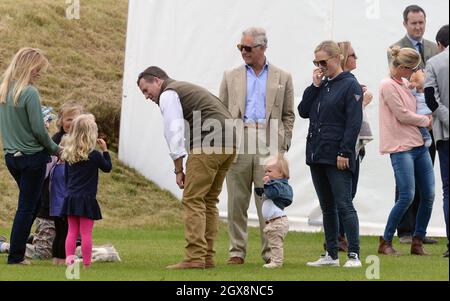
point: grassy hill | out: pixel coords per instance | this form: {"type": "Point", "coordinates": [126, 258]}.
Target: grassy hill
{"type": "Point", "coordinates": [86, 57]}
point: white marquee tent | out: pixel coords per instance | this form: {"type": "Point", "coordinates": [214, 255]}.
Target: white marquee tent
{"type": "Point", "coordinates": [196, 41]}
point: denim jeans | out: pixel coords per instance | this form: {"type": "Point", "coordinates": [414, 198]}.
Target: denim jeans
{"type": "Point", "coordinates": [334, 190]}
{"type": "Point", "coordinates": [408, 222]}
{"type": "Point", "coordinates": [355, 180]}
{"type": "Point", "coordinates": [410, 168]}
{"type": "Point", "coordinates": [442, 148]}
{"type": "Point", "coordinates": [28, 171]}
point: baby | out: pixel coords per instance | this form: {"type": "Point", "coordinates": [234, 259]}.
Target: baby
{"type": "Point", "coordinates": [416, 85]}
{"type": "Point", "coordinates": [277, 194]}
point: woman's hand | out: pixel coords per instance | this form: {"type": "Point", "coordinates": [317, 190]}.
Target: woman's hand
{"type": "Point", "coordinates": [102, 144]}
{"type": "Point", "coordinates": [342, 163]}
{"type": "Point", "coordinates": [430, 126]}
{"type": "Point", "coordinates": [180, 177]}
{"type": "Point", "coordinates": [317, 77]}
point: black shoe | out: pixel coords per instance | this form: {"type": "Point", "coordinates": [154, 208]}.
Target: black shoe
{"type": "Point", "coordinates": [78, 242]}
{"type": "Point", "coordinates": [30, 239]}
{"type": "Point", "coordinates": [429, 241]}
{"type": "Point", "coordinates": [445, 255]}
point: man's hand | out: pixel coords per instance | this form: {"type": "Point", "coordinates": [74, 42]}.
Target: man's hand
{"type": "Point", "coordinates": [180, 179]}
{"type": "Point", "coordinates": [342, 163]}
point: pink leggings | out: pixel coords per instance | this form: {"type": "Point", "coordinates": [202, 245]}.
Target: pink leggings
{"type": "Point", "coordinates": [79, 225]}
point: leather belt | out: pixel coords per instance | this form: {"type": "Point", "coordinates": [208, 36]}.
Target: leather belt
{"type": "Point", "coordinates": [274, 219]}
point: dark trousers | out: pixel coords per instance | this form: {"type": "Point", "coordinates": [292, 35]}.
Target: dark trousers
{"type": "Point", "coordinates": [334, 190]}
{"type": "Point", "coordinates": [442, 148]}
{"type": "Point", "coordinates": [59, 243]}
{"type": "Point", "coordinates": [408, 223]}
{"type": "Point", "coordinates": [354, 189]}
{"type": "Point", "coordinates": [28, 171]}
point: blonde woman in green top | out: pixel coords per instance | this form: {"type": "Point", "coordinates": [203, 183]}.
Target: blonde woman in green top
{"type": "Point", "coordinates": [26, 143]}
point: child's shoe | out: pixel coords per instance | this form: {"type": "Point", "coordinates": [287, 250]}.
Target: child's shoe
{"type": "Point", "coordinates": [272, 265]}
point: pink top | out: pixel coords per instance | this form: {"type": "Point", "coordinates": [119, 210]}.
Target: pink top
{"type": "Point", "coordinates": [398, 119]}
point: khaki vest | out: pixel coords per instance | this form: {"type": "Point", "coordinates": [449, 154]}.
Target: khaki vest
{"type": "Point", "coordinates": [205, 114]}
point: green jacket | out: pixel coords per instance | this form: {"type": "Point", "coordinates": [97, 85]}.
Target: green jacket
{"type": "Point", "coordinates": [22, 126]}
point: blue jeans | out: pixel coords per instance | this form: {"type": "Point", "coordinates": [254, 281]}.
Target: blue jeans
{"type": "Point", "coordinates": [334, 190]}
{"type": "Point", "coordinates": [355, 180]}
{"type": "Point", "coordinates": [28, 171]}
{"type": "Point", "coordinates": [411, 167]}
{"type": "Point", "coordinates": [442, 148]}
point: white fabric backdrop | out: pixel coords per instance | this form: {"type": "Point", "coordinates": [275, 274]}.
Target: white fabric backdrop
{"type": "Point", "coordinates": [196, 41]}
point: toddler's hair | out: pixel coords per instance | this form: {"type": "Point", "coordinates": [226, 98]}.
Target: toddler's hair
{"type": "Point", "coordinates": [282, 163]}
{"type": "Point", "coordinates": [69, 107]}
{"type": "Point", "coordinates": [81, 139]}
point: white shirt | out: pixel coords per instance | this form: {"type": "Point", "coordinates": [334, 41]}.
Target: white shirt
{"type": "Point", "coordinates": [270, 210]}
{"type": "Point", "coordinates": [172, 113]}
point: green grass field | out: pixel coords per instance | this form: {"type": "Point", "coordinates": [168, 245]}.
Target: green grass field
{"type": "Point", "coordinates": [145, 253]}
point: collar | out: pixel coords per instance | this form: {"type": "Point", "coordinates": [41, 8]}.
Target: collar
{"type": "Point", "coordinates": [266, 65]}
{"type": "Point", "coordinates": [414, 42]}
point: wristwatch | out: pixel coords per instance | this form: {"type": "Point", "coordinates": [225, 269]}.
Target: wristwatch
{"type": "Point", "coordinates": [344, 155]}
{"type": "Point", "coordinates": [178, 171]}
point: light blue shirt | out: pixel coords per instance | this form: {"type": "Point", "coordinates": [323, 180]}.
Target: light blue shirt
{"type": "Point", "coordinates": [414, 42]}
{"type": "Point", "coordinates": [255, 105]}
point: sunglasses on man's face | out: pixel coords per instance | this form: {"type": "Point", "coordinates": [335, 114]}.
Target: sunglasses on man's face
{"type": "Point", "coordinates": [246, 48]}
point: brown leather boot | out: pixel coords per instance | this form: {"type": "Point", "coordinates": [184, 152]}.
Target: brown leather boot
{"type": "Point", "coordinates": [417, 247]}
{"type": "Point", "coordinates": [386, 248]}
{"type": "Point", "coordinates": [343, 244]}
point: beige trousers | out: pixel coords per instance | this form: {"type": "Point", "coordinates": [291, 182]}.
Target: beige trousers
{"type": "Point", "coordinates": [244, 174]}
{"type": "Point", "coordinates": [203, 183]}
{"type": "Point", "coordinates": [276, 232]}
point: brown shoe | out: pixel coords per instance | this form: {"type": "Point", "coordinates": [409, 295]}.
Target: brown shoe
{"type": "Point", "coordinates": [343, 244]}
{"type": "Point", "coordinates": [235, 260]}
{"type": "Point", "coordinates": [386, 248]}
{"type": "Point", "coordinates": [417, 247]}
{"type": "Point", "coordinates": [209, 264]}
{"type": "Point", "coordinates": [186, 265]}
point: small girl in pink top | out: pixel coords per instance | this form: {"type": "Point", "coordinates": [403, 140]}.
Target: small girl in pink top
{"type": "Point", "coordinates": [401, 139]}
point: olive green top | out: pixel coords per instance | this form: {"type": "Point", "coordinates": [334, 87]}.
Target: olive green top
{"type": "Point", "coordinates": [22, 126]}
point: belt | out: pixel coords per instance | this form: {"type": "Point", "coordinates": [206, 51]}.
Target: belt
{"type": "Point", "coordinates": [274, 219]}
{"type": "Point", "coordinates": [255, 125]}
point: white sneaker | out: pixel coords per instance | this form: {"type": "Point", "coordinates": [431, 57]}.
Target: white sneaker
{"type": "Point", "coordinates": [324, 260]}
{"type": "Point", "coordinates": [272, 265]}
{"type": "Point", "coordinates": [353, 261]}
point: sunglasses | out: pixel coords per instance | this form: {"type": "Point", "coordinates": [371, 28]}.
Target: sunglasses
{"type": "Point", "coordinates": [246, 48]}
{"type": "Point", "coordinates": [321, 63]}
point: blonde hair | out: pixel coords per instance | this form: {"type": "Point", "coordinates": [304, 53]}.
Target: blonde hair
{"type": "Point", "coordinates": [81, 140]}
{"type": "Point", "coordinates": [406, 57]}
{"type": "Point", "coordinates": [26, 62]}
{"type": "Point", "coordinates": [329, 47]}
{"type": "Point", "coordinates": [345, 49]}
{"type": "Point", "coordinates": [282, 163]}
{"type": "Point", "coordinates": [67, 108]}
